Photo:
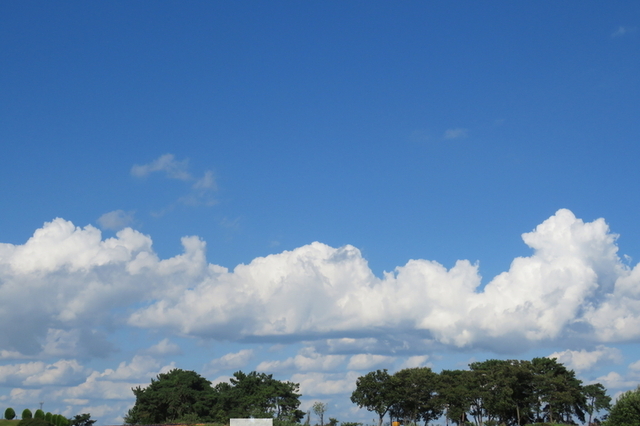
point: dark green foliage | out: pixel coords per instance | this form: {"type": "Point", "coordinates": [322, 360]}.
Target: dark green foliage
{"type": "Point", "coordinates": [82, 420]}
{"type": "Point", "coordinates": [34, 422]}
{"type": "Point", "coordinates": [626, 410]}
{"type": "Point", "coordinates": [373, 392]}
{"type": "Point", "coordinates": [333, 422]}
{"type": "Point", "coordinates": [9, 414]}
{"type": "Point", "coordinates": [26, 414]}
{"type": "Point", "coordinates": [48, 416]}
{"type": "Point", "coordinates": [414, 395]}
{"type": "Point", "coordinates": [350, 424]}
{"type": "Point", "coordinates": [257, 395]}
{"type": "Point", "coordinates": [597, 400]}
{"type": "Point", "coordinates": [39, 414]}
{"type": "Point", "coordinates": [171, 396]}
{"type": "Point", "coordinates": [185, 396]}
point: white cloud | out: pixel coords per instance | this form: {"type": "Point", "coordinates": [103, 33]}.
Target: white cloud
{"type": "Point", "coordinates": [415, 361]}
{"type": "Point", "coordinates": [456, 133]}
{"type": "Point", "coordinates": [306, 360]}
{"type": "Point", "coordinates": [164, 347]}
{"type": "Point", "coordinates": [369, 361]}
{"type": "Point", "coordinates": [37, 373]}
{"type": "Point", "coordinates": [314, 384]}
{"type": "Point", "coordinates": [201, 188]}
{"type": "Point", "coordinates": [585, 360]}
{"type": "Point", "coordinates": [230, 361]}
{"type": "Point", "coordinates": [167, 164]}
{"type": "Point", "coordinates": [115, 220]}
{"type": "Point", "coordinates": [574, 284]}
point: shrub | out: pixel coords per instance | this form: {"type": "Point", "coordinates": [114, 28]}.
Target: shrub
{"type": "Point", "coordinates": [39, 414]}
{"type": "Point", "coordinates": [26, 414]}
{"type": "Point", "coordinates": [9, 414]}
{"type": "Point", "coordinates": [48, 417]}
{"type": "Point", "coordinates": [33, 422]}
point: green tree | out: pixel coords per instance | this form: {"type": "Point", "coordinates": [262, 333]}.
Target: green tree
{"type": "Point", "coordinates": [170, 397]}
{"type": "Point", "coordinates": [455, 394]}
{"type": "Point", "coordinates": [9, 414]}
{"type": "Point", "coordinates": [39, 414]}
{"type": "Point", "coordinates": [559, 390]}
{"type": "Point", "coordinates": [33, 422]}
{"type": "Point", "coordinates": [48, 417]}
{"type": "Point", "coordinates": [257, 395]}
{"type": "Point", "coordinates": [82, 420]}
{"type": "Point", "coordinates": [414, 395]}
{"type": "Point", "coordinates": [373, 392]}
{"type": "Point", "coordinates": [26, 414]}
{"type": "Point", "coordinates": [597, 400]}
{"type": "Point", "coordinates": [319, 408]}
{"type": "Point", "coordinates": [626, 410]}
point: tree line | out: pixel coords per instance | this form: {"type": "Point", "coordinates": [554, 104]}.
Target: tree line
{"type": "Point", "coordinates": [181, 396]}
{"type": "Point", "coordinates": [505, 392]}
{"type": "Point", "coordinates": [40, 418]}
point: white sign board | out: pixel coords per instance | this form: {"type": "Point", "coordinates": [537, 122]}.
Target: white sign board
{"type": "Point", "coordinates": [251, 422]}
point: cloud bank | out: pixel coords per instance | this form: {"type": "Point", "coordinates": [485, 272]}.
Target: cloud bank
{"type": "Point", "coordinates": [574, 285]}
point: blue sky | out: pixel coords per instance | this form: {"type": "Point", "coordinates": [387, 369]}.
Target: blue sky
{"type": "Point", "coordinates": [314, 190]}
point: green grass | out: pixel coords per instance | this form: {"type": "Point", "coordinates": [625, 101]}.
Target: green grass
{"type": "Point", "coordinates": [4, 422]}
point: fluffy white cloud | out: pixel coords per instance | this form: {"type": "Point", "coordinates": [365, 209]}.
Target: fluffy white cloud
{"type": "Point", "coordinates": [66, 279]}
{"type": "Point", "coordinates": [585, 360]}
{"type": "Point", "coordinates": [415, 361]}
{"type": "Point", "coordinates": [314, 384]}
{"type": "Point", "coordinates": [37, 373]}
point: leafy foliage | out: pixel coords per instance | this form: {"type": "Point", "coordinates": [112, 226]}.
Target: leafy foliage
{"type": "Point", "coordinates": [82, 420]}
{"type": "Point", "coordinates": [319, 408]}
{"type": "Point", "coordinates": [9, 413]}
{"type": "Point", "coordinates": [26, 414]}
{"type": "Point", "coordinates": [373, 392]}
{"type": "Point", "coordinates": [626, 410]}
{"type": "Point", "coordinates": [39, 414]}
{"type": "Point", "coordinates": [34, 422]}
{"type": "Point", "coordinates": [185, 396]}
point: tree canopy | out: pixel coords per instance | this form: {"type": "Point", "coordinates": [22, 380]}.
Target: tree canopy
{"type": "Point", "coordinates": [181, 395]}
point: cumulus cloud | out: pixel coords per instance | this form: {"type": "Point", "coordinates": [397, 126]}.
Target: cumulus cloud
{"type": "Point", "coordinates": [115, 220]}
{"type": "Point", "coordinates": [585, 360]}
{"type": "Point", "coordinates": [37, 373]}
{"type": "Point", "coordinates": [573, 285]}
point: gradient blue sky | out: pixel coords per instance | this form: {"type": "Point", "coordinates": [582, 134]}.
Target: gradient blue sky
{"type": "Point", "coordinates": [385, 131]}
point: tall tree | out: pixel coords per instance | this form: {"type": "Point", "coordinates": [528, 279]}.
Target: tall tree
{"type": "Point", "coordinates": [455, 395]}
{"type": "Point", "coordinates": [559, 389]}
{"type": "Point", "coordinates": [414, 395]}
{"type": "Point", "coordinates": [319, 408]}
{"type": "Point", "coordinates": [597, 400]}
{"type": "Point", "coordinates": [373, 392]}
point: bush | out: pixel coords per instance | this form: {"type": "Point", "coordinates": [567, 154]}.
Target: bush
{"type": "Point", "coordinates": [39, 414]}
{"type": "Point", "coordinates": [26, 414]}
{"type": "Point", "coordinates": [626, 410]}
{"type": "Point", "coordinates": [48, 417]}
{"type": "Point", "coordinates": [9, 414]}
{"type": "Point", "coordinates": [34, 422]}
